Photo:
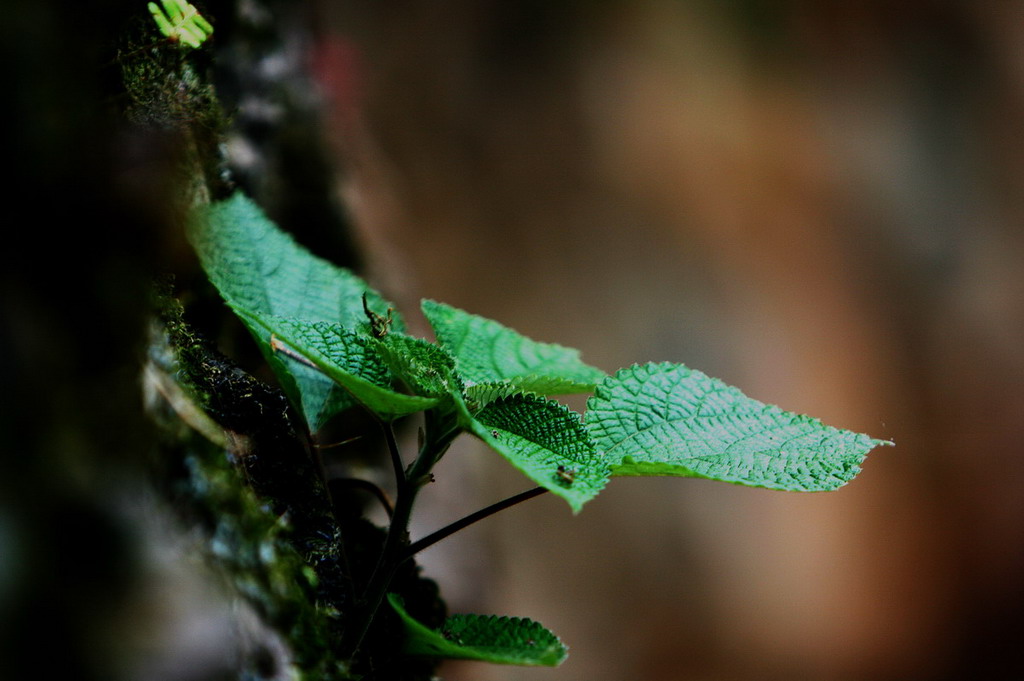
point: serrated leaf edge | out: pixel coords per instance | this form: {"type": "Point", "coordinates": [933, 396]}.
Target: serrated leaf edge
{"type": "Point", "coordinates": [552, 655]}
{"type": "Point", "coordinates": [487, 434]}
{"type": "Point", "coordinates": [344, 379]}
{"type": "Point", "coordinates": [628, 467]}
{"type": "Point", "coordinates": [571, 385]}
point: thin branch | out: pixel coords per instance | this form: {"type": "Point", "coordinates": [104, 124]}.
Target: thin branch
{"type": "Point", "coordinates": [366, 485]}
{"type": "Point", "coordinates": [387, 564]}
{"type": "Point", "coordinates": [277, 346]}
{"type": "Point", "coordinates": [396, 456]}
{"type": "Point", "coordinates": [335, 445]}
{"type": "Point", "coordinates": [392, 554]}
{"type": "Point", "coordinates": [449, 530]}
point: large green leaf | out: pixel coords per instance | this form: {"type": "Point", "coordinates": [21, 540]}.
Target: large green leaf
{"type": "Point", "coordinates": [345, 357]}
{"type": "Point", "coordinates": [487, 352]}
{"type": "Point", "coordinates": [488, 638]}
{"type": "Point", "coordinates": [546, 441]}
{"type": "Point", "coordinates": [259, 268]}
{"type": "Point", "coordinates": [666, 419]}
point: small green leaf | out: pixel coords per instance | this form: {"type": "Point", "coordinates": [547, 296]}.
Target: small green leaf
{"type": "Point", "coordinates": [344, 357]}
{"type": "Point", "coordinates": [546, 441]}
{"type": "Point", "coordinates": [180, 21]}
{"type": "Point", "coordinates": [499, 640]}
{"type": "Point", "coordinates": [666, 419]}
{"type": "Point", "coordinates": [261, 269]}
{"type": "Point", "coordinates": [479, 395]}
{"type": "Point", "coordinates": [487, 352]}
{"type": "Point", "coordinates": [425, 367]}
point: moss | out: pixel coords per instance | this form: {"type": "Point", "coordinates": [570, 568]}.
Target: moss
{"type": "Point", "coordinates": [167, 89]}
{"type": "Point", "coordinates": [234, 462]}
{"type": "Point", "coordinates": [265, 517]}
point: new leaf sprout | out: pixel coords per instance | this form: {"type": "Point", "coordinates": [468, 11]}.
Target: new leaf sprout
{"type": "Point", "coordinates": [181, 22]}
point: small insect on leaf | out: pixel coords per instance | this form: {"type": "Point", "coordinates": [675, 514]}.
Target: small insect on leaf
{"type": "Point", "coordinates": [380, 325]}
{"type": "Point", "coordinates": [450, 636]}
{"type": "Point", "coordinates": [565, 476]}
{"type": "Point", "coordinates": [181, 22]}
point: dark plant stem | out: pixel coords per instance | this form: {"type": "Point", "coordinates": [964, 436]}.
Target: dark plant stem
{"type": "Point", "coordinates": [396, 456]}
{"type": "Point", "coordinates": [463, 523]}
{"type": "Point", "coordinates": [337, 484]}
{"type": "Point", "coordinates": [438, 437]}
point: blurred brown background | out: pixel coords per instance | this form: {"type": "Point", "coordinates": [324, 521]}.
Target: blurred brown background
{"type": "Point", "coordinates": [819, 202]}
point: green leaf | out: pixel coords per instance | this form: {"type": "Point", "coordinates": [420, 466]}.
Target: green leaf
{"type": "Point", "coordinates": [425, 367]}
{"type": "Point", "coordinates": [343, 356]}
{"type": "Point", "coordinates": [488, 638]}
{"type": "Point", "coordinates": [487, 352]}
{"type": "Point", "coordinates": [546, 441]}
{"type": "Point", "coordinates": [479, 395]}
{"type": "Point", "coordinates": [261, 269]}
{"type": "Point", "coordinates": [181, 22]}
{"type": "Point", "coordinates": [666, 419]}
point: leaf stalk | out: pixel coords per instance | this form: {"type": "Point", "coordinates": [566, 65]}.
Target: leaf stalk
{"type": "Point", "coordinates": [439, 434]}
{"type": "Point", "coordinates": [470, 519]}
